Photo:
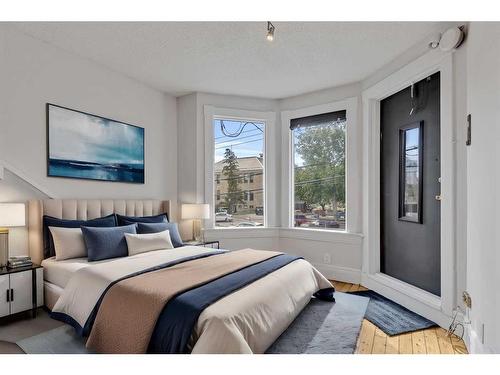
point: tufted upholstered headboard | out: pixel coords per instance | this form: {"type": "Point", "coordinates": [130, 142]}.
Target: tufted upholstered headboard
{"type": "Point", "coordinates": [84, 209]}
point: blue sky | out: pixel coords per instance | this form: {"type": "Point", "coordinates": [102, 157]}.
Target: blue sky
{"type": "Point", "coordinates": [77, 136]}
{"type": "Point", "coordinates": [249, 143]}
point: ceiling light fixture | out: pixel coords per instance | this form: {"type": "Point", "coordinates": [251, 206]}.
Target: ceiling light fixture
{"type": "Point", "coordinates": [270, 31]}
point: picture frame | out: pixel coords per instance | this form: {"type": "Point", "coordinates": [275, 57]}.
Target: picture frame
{"type": "Point", "coordinates": [86, 146]}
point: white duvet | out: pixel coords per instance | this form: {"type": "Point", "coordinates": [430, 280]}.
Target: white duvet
{"type": "Point", "coordinates": [246, 321]}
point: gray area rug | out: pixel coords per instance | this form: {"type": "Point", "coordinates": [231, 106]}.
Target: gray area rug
{"type": "Point", "coordinates": [321, 328]}
{"type": "Point", "coordinates": [324, 327]}
{"type": "Point", "coordinates": [61, 340]}
{"type": "Point", "coordinates": [391, 317]}
{"type": "Point", "coordinates": [14, 329]}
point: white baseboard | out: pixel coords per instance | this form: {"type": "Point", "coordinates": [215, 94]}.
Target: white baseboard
{"type": "Point", "coordinates": [345, 274]}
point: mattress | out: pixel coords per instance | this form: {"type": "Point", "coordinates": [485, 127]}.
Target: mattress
{"type": "Point", "coordinates": [58, 272]}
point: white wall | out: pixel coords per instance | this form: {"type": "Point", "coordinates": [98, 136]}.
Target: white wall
{"type": "Point", "coordinates": [37, 73]}
{"type": "Point", "coordinates": [34, 73]}
{"type": "Point", "coordinates": [483, 181]}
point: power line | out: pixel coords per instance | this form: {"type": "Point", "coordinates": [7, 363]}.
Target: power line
{"type": "Point", "coordinates": [312, 165]}
{"type": "Point", "coordinates": [318, 180]}
{"type": "Point", "coordinates": [242, 192]}
{"type": "Point", "coordinates": [238, 132]}
{"type": "Point", "coordinates": [247, 136]}
{"type": "Point", "coordinates": [237, 144]}
{"type": "Point", "coordinates": [245, 131]}
{"type": "Point", "coordinates": [240, 177]}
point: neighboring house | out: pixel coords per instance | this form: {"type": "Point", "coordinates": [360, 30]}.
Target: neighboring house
{"type": "Point", "coordinates": [250, 182]}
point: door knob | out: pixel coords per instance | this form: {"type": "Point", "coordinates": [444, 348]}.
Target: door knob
{"type": "Point", "coordinates": [438, 197]}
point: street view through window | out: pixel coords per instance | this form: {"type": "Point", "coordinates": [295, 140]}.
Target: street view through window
{"type": "Point", "coordinates": [319, 171]}
{"type": "Point", "coordinates": [239, 173]}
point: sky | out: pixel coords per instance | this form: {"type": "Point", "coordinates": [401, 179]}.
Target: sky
{"type": "Point", "coordinates": [82, 137]}
{"type": "Point", "coordinates": [249, 143]}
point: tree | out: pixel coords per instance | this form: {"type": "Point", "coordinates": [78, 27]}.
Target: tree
{"type": "Point", "coordinates": [321, 180]}
{"type": "Point", "coordinates": [234, 195]}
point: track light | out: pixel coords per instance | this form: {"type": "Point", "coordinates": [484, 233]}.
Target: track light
{"type": "Point", "coordinates": [270, 31]}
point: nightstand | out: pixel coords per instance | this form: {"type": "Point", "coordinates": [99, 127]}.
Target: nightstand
{"type": "Point", "coordinates": [21, 289]}
{"type": "Point", "coordinates": [212, 244]}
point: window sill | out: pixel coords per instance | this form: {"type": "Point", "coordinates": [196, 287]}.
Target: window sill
{"type": "Point", "coordinates": [242, 232]}
{"type": "Point", "coordinates": [322, 235]}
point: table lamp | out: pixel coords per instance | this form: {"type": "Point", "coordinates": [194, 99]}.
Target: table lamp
{"type": "Point", "coordinates": [11, 215]}
{"type": "Point", "coordinates": [196, 212]}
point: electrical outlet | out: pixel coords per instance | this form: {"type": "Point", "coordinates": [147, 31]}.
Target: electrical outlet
{"type": "Point", "coordinates": [327, 259]}
{"type": "Point", "coordinates": [466, 298]}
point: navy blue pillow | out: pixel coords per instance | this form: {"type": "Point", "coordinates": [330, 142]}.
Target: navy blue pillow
{"type": "Point", "coordinates": [107, 243]}
{"type": "Point", "coordinates": [49, 221]}
{"type": "Point", "coordinates": [160, 227]}
{"type": "Point", "coordinates": [125, 220]}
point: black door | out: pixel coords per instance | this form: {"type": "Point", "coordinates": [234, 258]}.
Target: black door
{"type": "Point", "coordinates": [410, 186]}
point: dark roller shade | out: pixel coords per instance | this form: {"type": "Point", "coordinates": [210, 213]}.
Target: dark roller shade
{"type": "Point", "coordinates": [324, 118]}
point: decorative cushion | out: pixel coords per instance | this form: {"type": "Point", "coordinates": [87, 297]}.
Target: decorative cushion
{"type": "Point", "coordinates": [107, 243]}
{"type": "Point", "coordinates": [126, 220]}
{"type": "Point", "coordinates": [141, 243]}
{"type": "Point", "coordinates": [68, 243]}
{"type": "Point", "coordinates": [49, 221]}
{"type": "Point", "coordinates": [175, 237]}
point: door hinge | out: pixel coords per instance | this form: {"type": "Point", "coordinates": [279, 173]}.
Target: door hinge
{"type": "Point", "coordinates": [469, 130]}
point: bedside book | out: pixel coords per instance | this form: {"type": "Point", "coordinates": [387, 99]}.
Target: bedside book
{"type": "Point", "coordinates": [19, 261]}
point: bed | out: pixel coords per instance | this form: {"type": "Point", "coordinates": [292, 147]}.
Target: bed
{"type": "Point", "coordinates": [184, 300]}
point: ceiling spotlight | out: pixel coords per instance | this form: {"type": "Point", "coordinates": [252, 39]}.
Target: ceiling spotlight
{"type": "Point", "coordinates": [270, 31]}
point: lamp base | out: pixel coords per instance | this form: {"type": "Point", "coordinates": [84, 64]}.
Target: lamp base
{"type": "Point", "coordinates": [198, 233]}
{"type": "Point", "coordinates": [4, 247]}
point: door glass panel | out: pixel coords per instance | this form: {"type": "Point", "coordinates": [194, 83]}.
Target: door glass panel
{"type": "Point", "coordinates": [411, 173]}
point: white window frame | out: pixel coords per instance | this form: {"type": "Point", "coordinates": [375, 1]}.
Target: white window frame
{"type": "Point", "coordinates": [352, 186]}
{"type": "Point", "coordinates": [269, 181]}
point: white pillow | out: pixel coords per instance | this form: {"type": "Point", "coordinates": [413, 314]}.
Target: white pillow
{"type": "Point", "coordinates": [68, 243]}
{"type": "Point", "coordinates": [141, 243]}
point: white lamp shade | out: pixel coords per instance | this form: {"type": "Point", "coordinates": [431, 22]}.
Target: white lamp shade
{"type": "Point", "coordinates": [195, 211]}
{"type": "Point", "coordinates": [12, 215]}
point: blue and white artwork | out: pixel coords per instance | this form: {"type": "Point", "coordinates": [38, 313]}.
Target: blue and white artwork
{"type": "Point", "coordinates": [81, 145]}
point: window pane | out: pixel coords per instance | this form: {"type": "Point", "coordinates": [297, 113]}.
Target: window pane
{"type": "Point", "coordinates": [410, 179]}
{"type": "Point", "coordinates": [319, 171]}
{"type": "Point", "coordinates": [239, 171]}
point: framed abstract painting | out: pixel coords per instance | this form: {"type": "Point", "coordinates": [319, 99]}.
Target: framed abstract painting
{"type": "Point", "coordinates": [86, 146]}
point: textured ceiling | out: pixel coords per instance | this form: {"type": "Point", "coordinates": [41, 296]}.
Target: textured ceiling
{"type": "Point", "coordinates": [235, 57]}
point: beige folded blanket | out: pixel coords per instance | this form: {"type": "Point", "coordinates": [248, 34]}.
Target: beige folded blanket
{"type": "Point", "coordinates": [128, 313]}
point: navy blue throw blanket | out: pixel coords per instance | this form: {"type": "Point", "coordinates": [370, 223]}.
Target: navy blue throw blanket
{"type": "Point", "coordinates": [179, 316]}
{"type": "Point", "coordinates": [85, 330]}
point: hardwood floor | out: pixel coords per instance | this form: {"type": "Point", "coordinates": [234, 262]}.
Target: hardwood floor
{"type": "Point", "coordinates": [372, 340]}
